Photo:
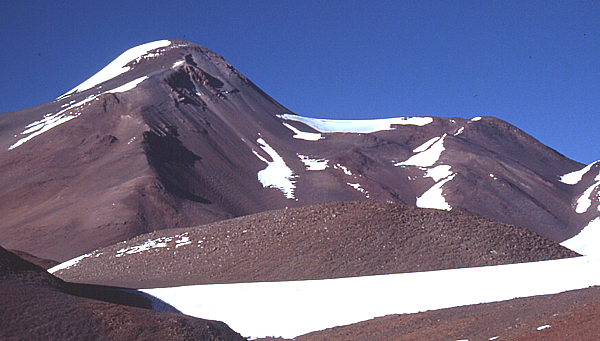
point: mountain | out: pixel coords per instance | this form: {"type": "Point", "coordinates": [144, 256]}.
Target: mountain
{"type": "Point", "coordinates": [170, 135]}
{"type": "Point", "coordinates": [35, 305]}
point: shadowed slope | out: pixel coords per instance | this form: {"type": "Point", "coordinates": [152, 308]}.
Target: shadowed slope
{"type": "Point", "coordinates": [37, 306]}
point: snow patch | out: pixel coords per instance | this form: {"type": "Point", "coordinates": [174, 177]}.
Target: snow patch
{"type": "Point", "coordinates": [50, 121]}
{"type": "Point", "coordinates": [313, 164]}
{"type": "Point", "coordinates": [475, 119]}
{"type": "Point", "coordinates": [439, 172]}
{"type": "Point", "coordinates": [543, 327]}
{"type": "Point", "coordinates": [356, 126]}
{"type": "Point", "coordinates": [426, 145]}
{"type": "Point", "coordinates": [178, 63]}
{"type": "Point", "coordinates": [358, 188]}
{"type": "Point", "coordinates": [574, 177]}
{"type": "Point", "coordinates": [585, 200]}
{"type": "Point", "coordinates": [587, 241]}
{"type": "Point", "coordinates": [459, 131]}
{"type": "Point", "coordinates": [277, 174]}
{"type": "Point", "coordinates": [427, 154]}
{"type": "Point", "coordinates": [162, 242]}
{"type": "Point", "coordinates": [183, 240]}
{"type": "Point", "coordinates": [301, 135]}
{"type": "Point", "coordinates": [127, 86]}
{"type": "Point", "coordinates": [119, 65]}
{"type": "Point", "coordinates": [343, 168]}
{"type": "Point", "coordinates": [53, 120]}
{"type": "Point", "coordinates": [434, 197]}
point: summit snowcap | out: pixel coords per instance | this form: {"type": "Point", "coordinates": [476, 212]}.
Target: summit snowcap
{"type": "Point", "coordinates": [121, 64]}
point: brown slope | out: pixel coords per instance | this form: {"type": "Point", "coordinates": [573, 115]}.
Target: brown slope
{"type": "Point", "coordinates": [332, 240]}
{"type": "Point", "coordinates": [571, 315]}
{"type": "Point", "coordinates": [136, 161]}
{"type": "Point", "coordinates": [37, 306]}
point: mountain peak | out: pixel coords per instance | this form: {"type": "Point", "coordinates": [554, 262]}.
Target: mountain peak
{"type": "Point", "coordinates": [171, 135]}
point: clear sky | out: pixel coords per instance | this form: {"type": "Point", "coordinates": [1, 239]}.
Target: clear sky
{"type": "Point", "coordinates": [535, 64]}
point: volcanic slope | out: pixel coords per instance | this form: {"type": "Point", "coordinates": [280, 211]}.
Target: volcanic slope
{"type": "Point", "coordinates": [170, 135]}
{"type": "Point", "coordinates": [35, 305]}
{"type": "Point", "coordinates": [332, 240]}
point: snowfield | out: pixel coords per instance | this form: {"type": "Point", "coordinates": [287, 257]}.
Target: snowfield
{"type": "Point", "coordinates": [356, 126]}
{"type": "Point", "coordinates": [289, 309]}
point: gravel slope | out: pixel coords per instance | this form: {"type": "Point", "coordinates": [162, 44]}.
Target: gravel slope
{"type": "Point", "coordinates": [340, 239]}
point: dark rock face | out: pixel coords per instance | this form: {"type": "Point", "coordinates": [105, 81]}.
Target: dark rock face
{"type": "Point", "coordinates": [35, 305]}
{"type": "Point", "coordinates": [185, 147]}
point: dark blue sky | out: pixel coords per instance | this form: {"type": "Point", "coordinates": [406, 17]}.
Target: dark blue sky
{"type": "Point", "coordinates": [535, 64]}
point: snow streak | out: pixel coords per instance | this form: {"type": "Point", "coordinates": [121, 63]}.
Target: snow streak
{"type": "Point", "coordinates": [434, 197]}
{"type": "Point", "coordinates": [51, 120]}
{"type": "Point", "coordinates": [277, 174]}
{"type": "Point", "coordinates": [574, 177]}
{"type": "Point", "coordinates": [427, 154]}
{"type": "Point", "coordinates": [313, 164]}
{"type": "Point", "coordinates": [301, 135]}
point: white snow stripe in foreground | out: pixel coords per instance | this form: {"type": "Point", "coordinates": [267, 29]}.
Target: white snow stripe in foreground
{"type": "Point", "coordinates": [356, 126]}
{"type": "Point", "coordinates": [277, 174]}
{"type": "Point", "coordinates": [574, 177]}
{"type": "Point", "coordinates": [289, 309]}
{"type": "Point", "coordinates": [118, 66]}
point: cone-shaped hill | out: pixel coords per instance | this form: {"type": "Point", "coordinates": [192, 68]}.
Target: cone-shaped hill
{"type": "Point", "coordinates": [338, 239]}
